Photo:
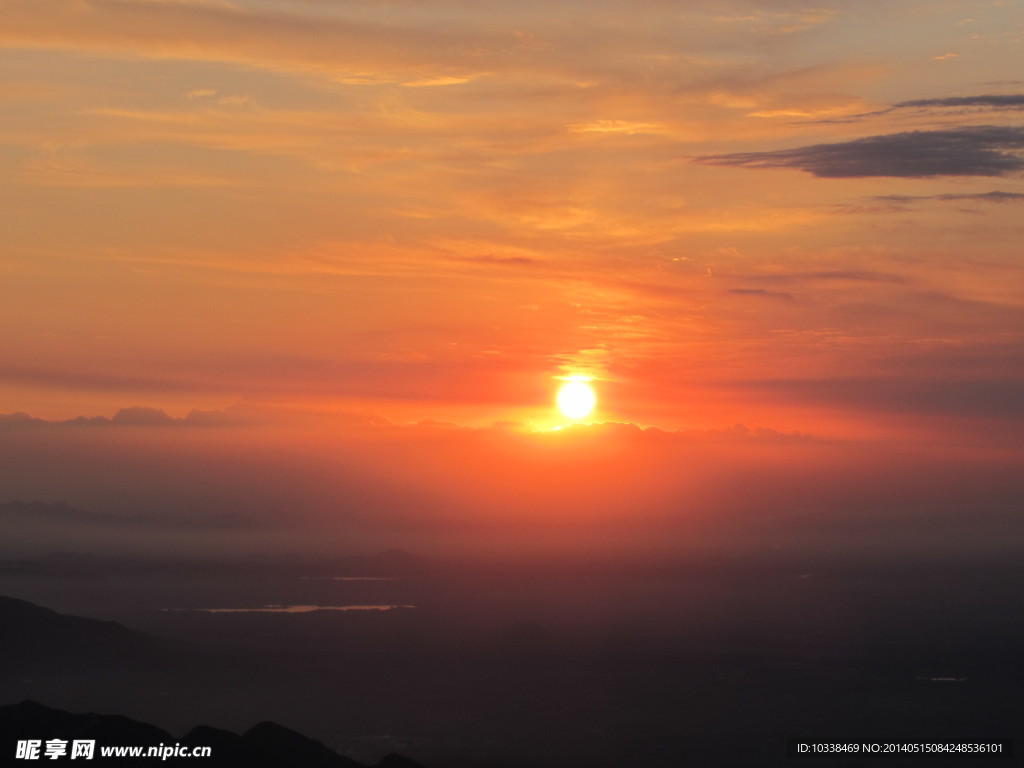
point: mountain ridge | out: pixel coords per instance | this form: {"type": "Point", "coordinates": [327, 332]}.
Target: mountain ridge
{"type": "Point", "coordinates": [265, 745]}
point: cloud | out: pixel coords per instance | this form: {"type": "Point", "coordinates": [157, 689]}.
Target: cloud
{"type": "Point", "coordinates": [632, 435]}
{"type": "Point", "coordinates": [135, 416]}
{"type": "Point", "coordinates": [981, 150]}
{"type": "Point", "coordinates": [509, 261]}
{"type": "Point", "coordinates": [200, 93]}
{"type": "Point", "coordinates": [229, 33]}
{"type": "Point", "coordinates": [613, 485]}
{"type": "Point", "coordinates": [141, 416]}
{"type": "Point", "coordinates": [1006, 101]}
{"type": "Point", "coordinates": [762, 293]}
{"type": "Point", "coordinates": [441, 44]}
{"type": "Point", "coordinates": [436, 81]}
{"type": "Point", "coordinates": [997, 360]}
{"type": "Point", "coordinates": [741, 433]}
{"type": "Point", "coordinates": [830, 275]}
{"type": "Point", "coordinates": [994, 196]}
{"type": "Point", "coordinates": [985, 102]}
{"type": "Point", "coordinates": [988, 398]}
{"type": "Point", "coordinates": [60, 165]}
{"type": "Point", "coordinates": [628, 127]}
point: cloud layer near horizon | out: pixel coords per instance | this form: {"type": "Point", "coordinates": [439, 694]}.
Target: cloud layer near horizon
{"type": "Point", "coordinates": [355, 485]}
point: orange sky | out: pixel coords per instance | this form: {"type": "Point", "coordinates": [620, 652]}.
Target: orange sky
{"type": "Point", "coordinates": [803, 217]}
{"type": "Point", "coordinates": [430, 210]}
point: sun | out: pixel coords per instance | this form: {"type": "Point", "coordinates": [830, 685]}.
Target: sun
{"type": "Point", "coordinates": [576, 398]}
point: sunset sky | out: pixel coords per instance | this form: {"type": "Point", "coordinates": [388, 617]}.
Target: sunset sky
{"type": "Point", "coordinates": [366, 223]}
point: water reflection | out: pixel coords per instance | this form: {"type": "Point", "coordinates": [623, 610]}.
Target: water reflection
{"type": "Point", "coordinates": [349, 578]}
{"type": "Point", "coordinates": [294, 608]}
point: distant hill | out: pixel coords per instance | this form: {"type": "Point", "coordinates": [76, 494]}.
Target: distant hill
{"type": "Point", "coordinates": [393, 562]}
{"type": "Point", "coordinates": [266, 745]}
{"type": "Point", "coordinates": [59, 513]}
{"type": "Point", "coordinates": [30, 526]}
{"type": "Point", "coordinates": [35, 635]}
{"type": "Point", "coordinates": [76, 662]}
{"type": "Point", "coordinates": [94, 663]}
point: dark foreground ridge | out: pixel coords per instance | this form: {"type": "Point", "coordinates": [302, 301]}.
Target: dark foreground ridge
{"type": "Point", "coordinates": [53, 652]}
{"type": "Point", "coordinates": [266, 745]}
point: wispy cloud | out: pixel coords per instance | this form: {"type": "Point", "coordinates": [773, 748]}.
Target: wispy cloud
{"type": "Point", "coordinates": [829, 275]}
{"type": "Point", "coordinates": [939, 106]}
{"type": "Point", "coordinates": [618, 126]}
{"type": "Point", "coordinates": [1003, 101]}
{"type": "Point", "coordinates": [762, 293]}
{"type": "Point", "coordinates": [995, 196]}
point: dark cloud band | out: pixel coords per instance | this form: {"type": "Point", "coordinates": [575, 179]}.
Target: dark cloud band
{"type": "Point", "coordinates": [983, 150]}
{"type": "Point", "coordinates": [995, 196]}
{"type": "Point", "coordinates": [1007, 101]}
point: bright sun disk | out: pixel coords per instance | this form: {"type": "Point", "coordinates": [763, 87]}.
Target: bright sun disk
{"type": "Point", "coordinates": [576, 399]}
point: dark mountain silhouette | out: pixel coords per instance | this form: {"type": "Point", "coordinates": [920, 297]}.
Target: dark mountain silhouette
{"type": "Point", "coordinates": [105, 663]}
{"type": "Point", "coordinates": [397, 761]}
{"type": "Point", "coordinates": [288, 748]}
{"type": "Point", "coordinates": [266, 745]}
{"type": "Point", "coordinates": [76, 662]}
{"type": "Point", "coordinates": [18, 720]}
{"type": "Point", "coordinates": [35, 634]}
